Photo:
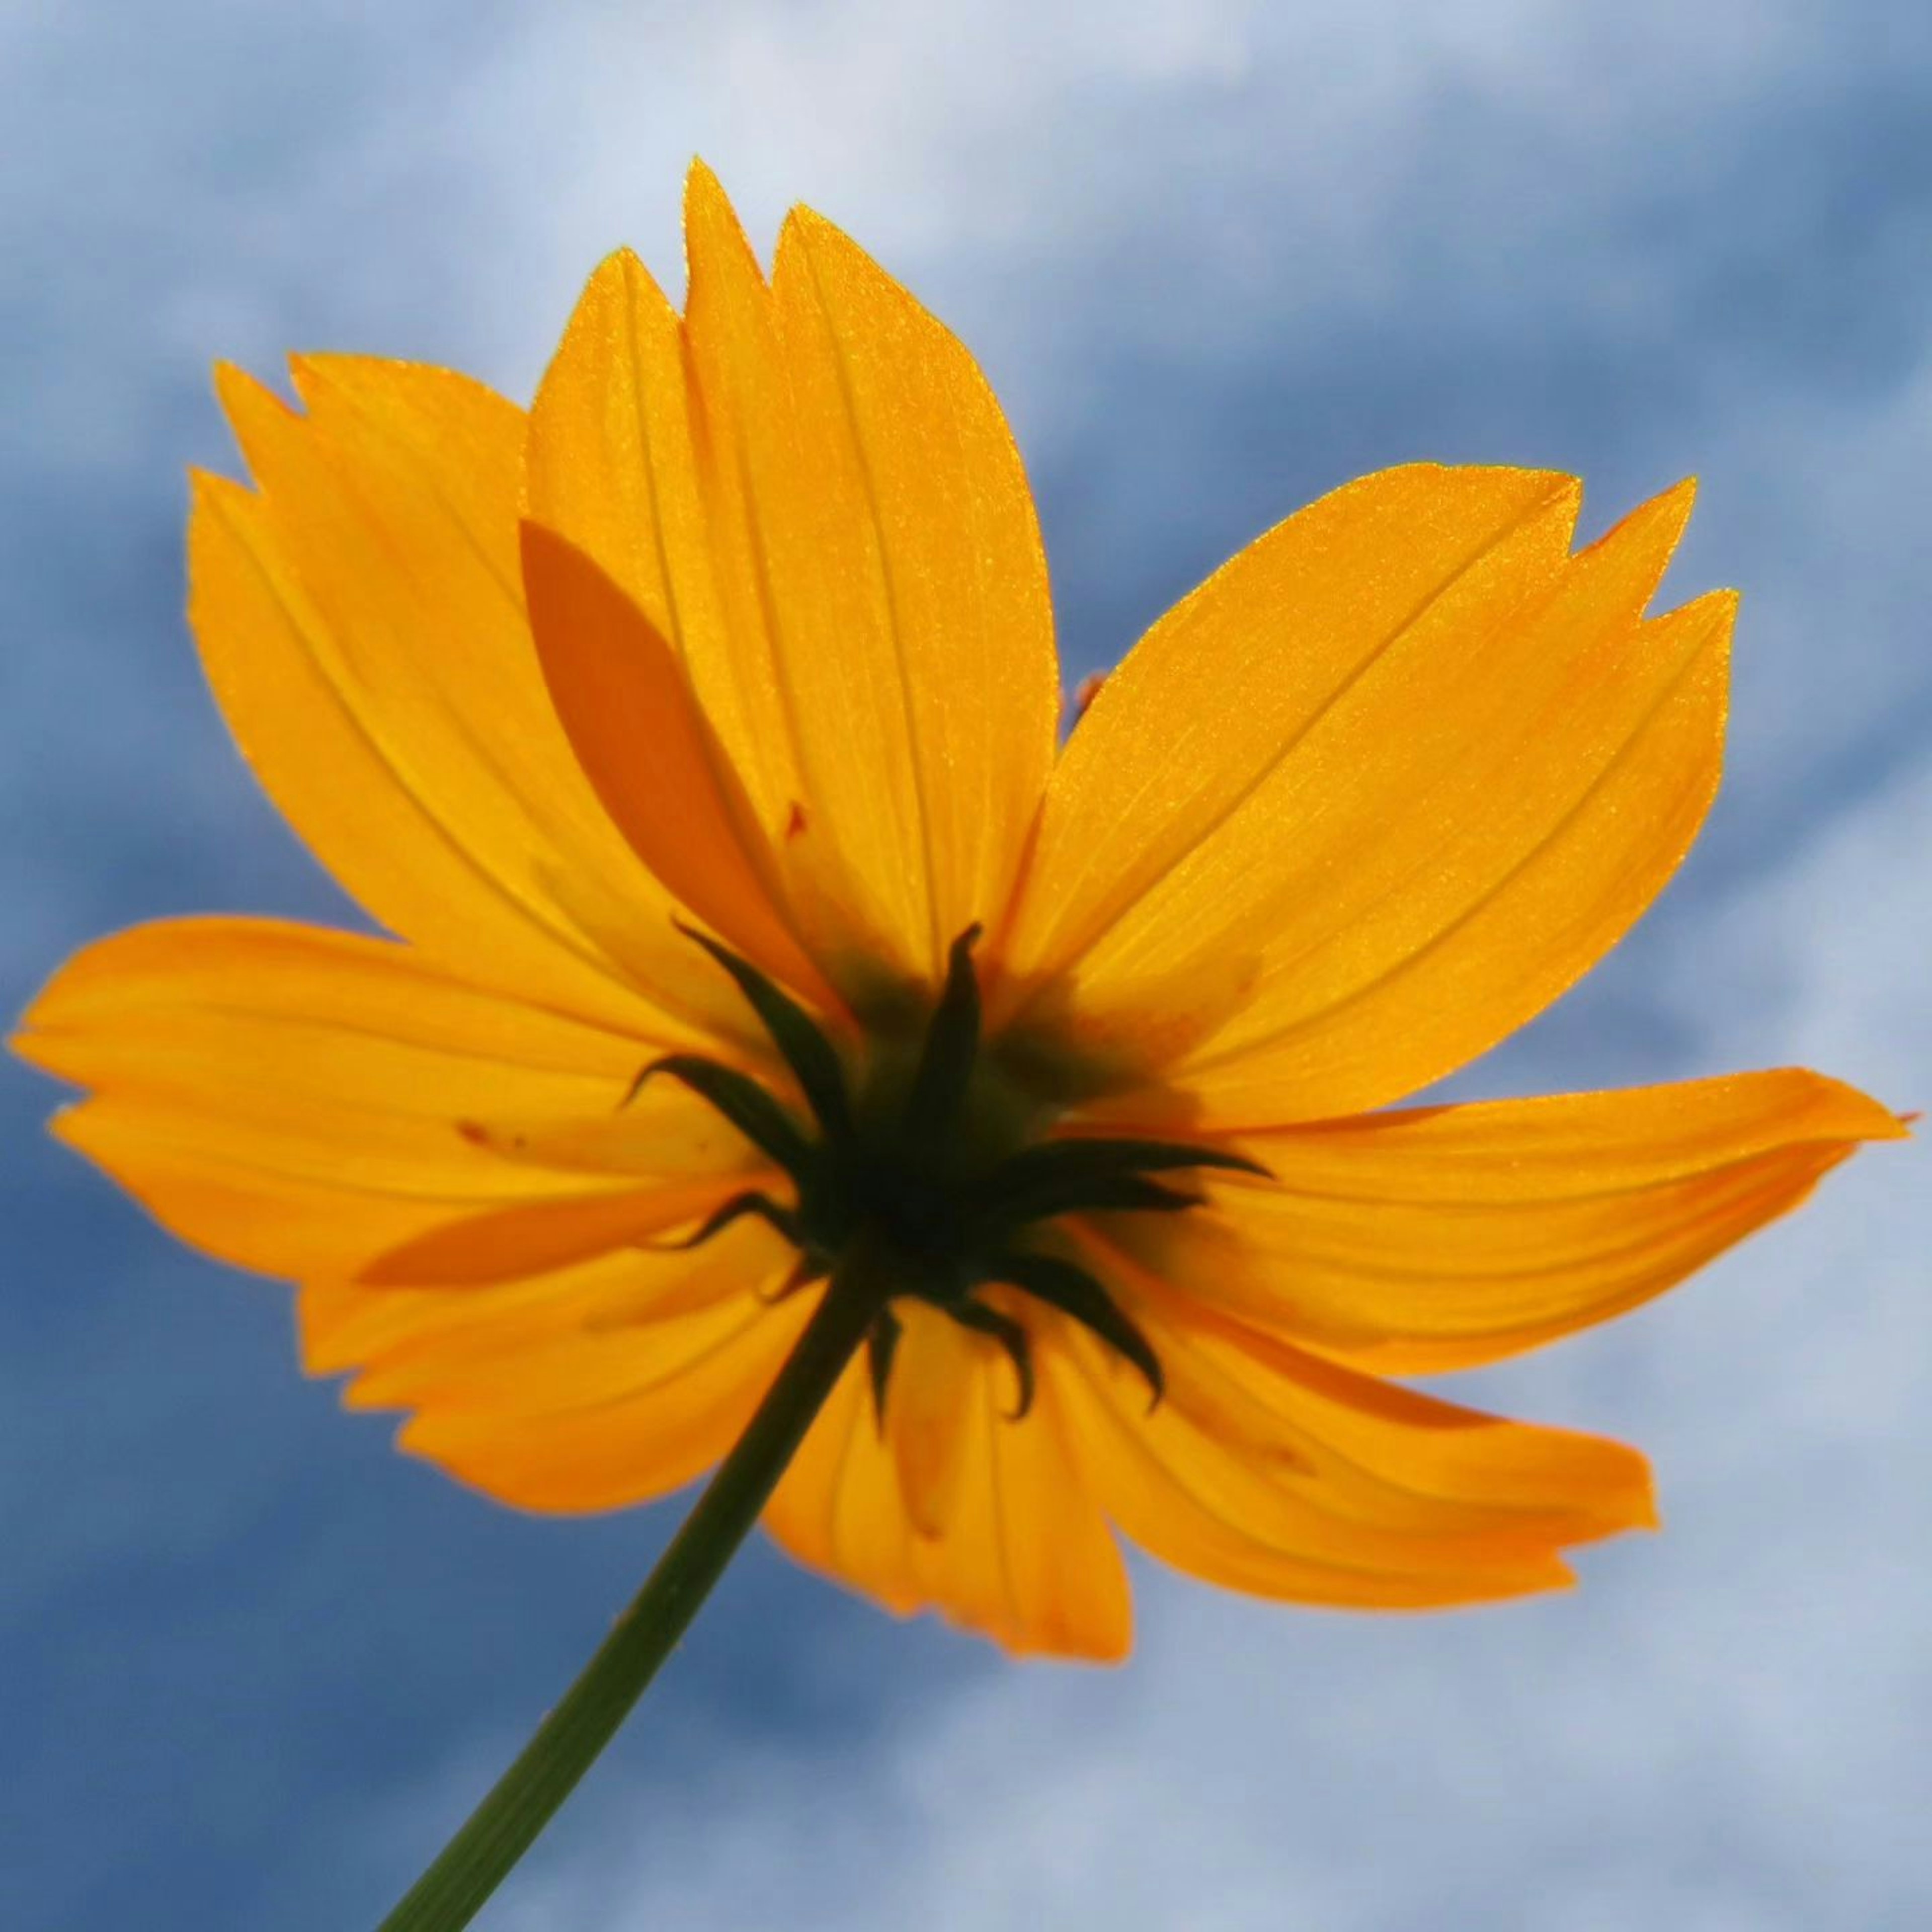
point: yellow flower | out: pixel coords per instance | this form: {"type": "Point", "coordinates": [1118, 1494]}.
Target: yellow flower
{"type": "Point", "coordinates": [745, 628]}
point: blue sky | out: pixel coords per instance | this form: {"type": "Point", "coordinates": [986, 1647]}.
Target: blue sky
{"type": "Point", "coordinates": [1217, 256]}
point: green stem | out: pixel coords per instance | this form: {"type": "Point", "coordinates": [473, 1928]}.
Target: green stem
{"type": "Point", "coordinates": [503, 1827]}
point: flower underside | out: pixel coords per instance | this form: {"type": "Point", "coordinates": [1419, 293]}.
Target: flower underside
{"type": "Point", "coordinates": [909, 1165]}
{"type": "Point", "coordinates": [746, 621]}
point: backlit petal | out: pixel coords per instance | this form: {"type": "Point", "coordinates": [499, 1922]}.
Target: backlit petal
{"type": "Point", "coordinates": [1011, 1543]}
{"type": "Point", "coordinates": [655, 763]}
{"type": "Point", "coordinates": [530, 1237]}
{"type": "Point", "coordinates": [953, 657]}
{"type": "Point", "coordinates": [566, 1340]}
{"type": "Point", "coordinates": [1269, 1470]}
{"type": "Point", "coordinates": [1440, 765]}
{"type": "Point", "coordinates": [1200, 720]}
{"type": "Point", "coordinates": [933, 1384]}
{"type": "Point", "coordinates": [664, 1403]}
{"type": "Point", "coordinates": [808, 489]}
{"type": "Point", "coordinates": [745, 630]}
{"type": "Point", "coordinates": [1443, 1237]}
{"type": "Point", "coordinates": [1376, 1016]}
{"type": "Point", "coordinates": [290, 1099]}
{"type": "Point", "coordinates": [361, 621]}
{"type": "Point", "coordinates": [398, 1332]}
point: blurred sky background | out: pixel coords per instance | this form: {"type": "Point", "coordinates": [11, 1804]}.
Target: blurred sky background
{"type": "Point", "coordinates": [1217, 257]}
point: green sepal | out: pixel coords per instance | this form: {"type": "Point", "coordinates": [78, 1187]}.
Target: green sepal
{"type": "Point", "coordinates": [882, 1342]}
{"type": "Point", "coordinates": [1065, 1285]}
{"type": "Point", "coordinates": [1049, 1195]}
{"type": "Point", "coordinates": [751, 1202]}
{"type": "Point", "coordinates": [1011, 1335]}
{"type": "Point", "coordinates": [743, 1102]}
{"type": "Point", "coordinates": [932, 1108]}
{"type": "Point", "coordinates": [798, 1038]}
{"type": "Point", "coordinates": [1096, 1176]}
{"type": "Point", "coordinates": [1071, 1161]}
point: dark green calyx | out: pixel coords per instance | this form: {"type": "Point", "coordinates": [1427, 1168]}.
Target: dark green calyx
{"type": "Point", "coordinates": [907, 1160]}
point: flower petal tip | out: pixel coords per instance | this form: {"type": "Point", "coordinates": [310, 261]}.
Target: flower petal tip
{"type": "Point", "coordinates": [317, 375]}
{"type": "Point", "coordinates": [27, 1041]}
{"type": "Point", "coordinates": [1853, 1116]}
{"type": "Point", "coordinates": [1621, 1497]}
{"type": "Point", "coordinates": [804, 227]}
{"type": "Point", "coordinates": [624, 265]}
{"type": "Point", "coordinates": [1657, 524]}
{"type": "Point", "coordinates": [240, 392]}
{"type": "Point", "coordinates": [1717, 609]}
{"type": "Point", "coordinates": [1676, 503]}
{"type": "Point", "coordinates": [1108, 1650]}
{"type": "Point", "coordinates": [714, 236]}
{"type": "Point", "coordinates": [356, 1399]}
{"type": "Point", "coordinates": [704, 196]}
{"type": "Point", "coordinates": [1560, 487]}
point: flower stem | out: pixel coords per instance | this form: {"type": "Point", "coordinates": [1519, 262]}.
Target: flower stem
{"type": "Point", "coordinates": [504, 1826]}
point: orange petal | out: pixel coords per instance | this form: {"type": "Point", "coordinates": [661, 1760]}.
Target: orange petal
{"type": "Point", "coordinates": [1443, 1237]}
{"type": "Point", "coordinates": [658, 1131]}
{"type": "Point", "coordinates": [1311, 1043]}
{"type": "Point", "coordinates": [1469, 770]}
{"type": "Point", "coordinates": [533, 1237]}
{"type": "Point", "coordinates": [564, 1340]}
{"type": "Point", "coordinates": [953, 660]}
{"type": "Point", "coordinates": [1210, 705]}
{"type": "Point", "coordinates": [934, 1384]}
{"type": "Point", "coordinates": [619, 463]}
{"type": "Point", "coordinates": [216, 1199]}
{"type": "Point", "coordinates": [829, 523]}
{"type": "Point", "coordinates": [1406, 1458]}
{"type": "Point", "coordinates": [1015, 1548]}
{"type": "Point", "coordinates": [842, 1493]}
{"type": "Point", "coordinates": [655, 763]}
{"type": "Point", "coordinates": [288, 1098]}
{"type": "Point", "coordinates": [1066, 1585]}
{"type": "Point", "coordinates": [664, 1404]}
{"type": "Point", "coordinates": [361, 621]}
{"type": "Point", "coordinates": [346, 1325]}
{"type": "Point", "coordinates": [1269, 1471]}
{"type": "Point", "coordinates": [328, 1018]}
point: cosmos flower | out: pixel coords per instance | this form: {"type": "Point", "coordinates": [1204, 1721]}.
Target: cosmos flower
{"type": "Point", "coordinates": [696, 735]}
